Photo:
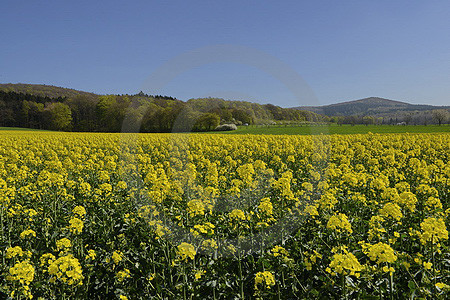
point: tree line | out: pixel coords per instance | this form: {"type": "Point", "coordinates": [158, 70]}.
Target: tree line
{"type": "Point", "coordinates": [426, 117]}
{"type": "Point", "coordinates": [147, 113]}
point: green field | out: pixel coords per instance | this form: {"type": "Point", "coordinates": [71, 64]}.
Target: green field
{"type": "Point", "coordinates": [306, 130]}
{"type": "Point", "coordinates": [20, 129]}
{"type": "Point", "coordinates": [336, 129]}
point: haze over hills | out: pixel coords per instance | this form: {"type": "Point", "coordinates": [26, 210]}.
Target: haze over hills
{"type": "Point", "coordinates": [372, 106]}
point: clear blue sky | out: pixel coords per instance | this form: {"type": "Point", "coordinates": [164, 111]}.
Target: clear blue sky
{"type": "Point", "coordinates": [343, 50]}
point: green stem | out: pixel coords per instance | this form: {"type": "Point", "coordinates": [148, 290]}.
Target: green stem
{"type": "Point", "coordinates": [344, 288]}
{"type": "Point", "coordinates": [3, 232]}
{"type": "Point", "coordinates": [279, 293]}
{"type": "Point", "coordinates": [241, 281]}
{"type": "Point", "coordinates": [391, 284]}
{"type": "Point", "coordinates": [434, 265]}
{"type": "Point", "coordinates": [185, 282]}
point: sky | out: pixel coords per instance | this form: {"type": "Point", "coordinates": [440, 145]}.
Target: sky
{"type": "Point", "coordinates": [287, 53]}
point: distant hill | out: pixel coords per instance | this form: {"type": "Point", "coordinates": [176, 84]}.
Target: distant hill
{"type": "Point", "coordinates": [373, 106]}
{"type": "Point", "coordinates": [43, 90]}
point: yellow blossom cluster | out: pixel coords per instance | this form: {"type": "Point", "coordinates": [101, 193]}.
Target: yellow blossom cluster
{"type": "Point", "coordinates": [264, 279]}
{"type": "Point", "coordinates": [344, 263]}
{"type": "Point", "coordinates": [339, 223]}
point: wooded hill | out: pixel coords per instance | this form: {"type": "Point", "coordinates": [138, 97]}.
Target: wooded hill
{"type": "Point", "coordinates": [378, 109]}
{"type": "Point", "coordinates": [56, 108]}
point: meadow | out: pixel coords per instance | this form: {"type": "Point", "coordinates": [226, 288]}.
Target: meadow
{"type": "Point", "coordinates": [217, 216]}
{"type": "Point", "coordinates": [337, 129]}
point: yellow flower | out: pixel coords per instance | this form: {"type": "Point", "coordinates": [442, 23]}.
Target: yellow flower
{"type": "Point", "coordinates": [433, 230]}
{"type": "Point", "coordinates": [266, 279]}
{"type": "Point", "coordinates": [26, 233]}
{"type": "Point", "coordinates": [391, 210]}
{"type": "Point", "coordinates": [196, 208]}
{"type": "Point", "coordinates": [207, 228]}
{"type": "Point", "coordinates": [236, 215]}
{"type": "Point", "coordinates": [122, 297]}
{"type": "Point", "coordinates": [63, 244]}
{"type": "Point", "coordinates": [122, 275]}
{"type": "Point", "coordinates": [231, 249]}
{"type": "Point", "coordinates": [14, 251]}
{"type": "Point", "coordinates": [46, 258]}
{"type": "Point", "coordinates": [117, 257]}
{"type": "Point", "coordinates": [389, 270]}
{"type": "Point", "coordinates": [344, 263]}
{"type": "Point", "coordinates": [186, 251]}
{"type": "Point", "coordinates": [199, 274]}
{"type": "Point", "coordinates": [339, 223]}
{"type": "Point", "coordinates": [121, 185]}
{"type": "Point", "coordinates": [427, 265]}
{"type": "Point", "coordinates": [327, 200]}
{"type": "Point", "coordinates": [106, 187]}
{"type": "Point", "coordinates": [311, 210]}
{"type": "Point", "coordinates": [279, 251]}
{"type": "Point", "coordinates": [76, 225]}
{"type": "Point", "coordinates": [84, 188]}
{"type": "Point", "coordinates": [307, 186]}
{"type": "Point", "coordinates": [209, 244]}
{"type": "Point", "coordinates": [79, 210]}
{"type": "Point", "coordinates": [91, 254]}
{"type": "Point", "coordinates": [22, 272]}
{"type": "Point", "coordinates": [381, 253]}
{"type": "Point", "coordinates": [433, 204]}
{"type": "Point", "coordinates": [443, 286]}
{"type": "Point", "coordinates": [409, 200]}
{"type": "Point", "coordinates": [265, 206]}
{"type": "Point", "coordinates": [67, 269]}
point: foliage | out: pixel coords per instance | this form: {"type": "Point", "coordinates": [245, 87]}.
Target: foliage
{"type": "Point", "coordinates": [58, 115]}
{"type": "Point", "coordinates": [207, 122]}
{"type": "Point", "coordinates": [29, 106]}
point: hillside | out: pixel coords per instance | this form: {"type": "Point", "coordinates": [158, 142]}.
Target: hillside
{"type": "Point", "coordinates": [50, 107]}
{"type": "Point", "coordinates": [43, 90]}
{"type": "Point", "coordinates": [373, 106]}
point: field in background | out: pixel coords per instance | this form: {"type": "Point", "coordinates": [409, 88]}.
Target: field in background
{"type": "Point", "coordinates": [19, 129]}
{"type": "Point", "coordinates": [307, 130]}
{"type": "Point", "coordinates": [336, 129]}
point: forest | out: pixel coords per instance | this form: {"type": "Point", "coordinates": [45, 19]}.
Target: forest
{"type": "Point", "coordinates": [86, 112]}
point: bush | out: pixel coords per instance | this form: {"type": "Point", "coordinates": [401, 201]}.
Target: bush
{"type": "Point", "coordinates": [226, 127]}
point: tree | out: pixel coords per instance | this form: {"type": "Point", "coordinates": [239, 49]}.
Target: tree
{"type": "Point", "coordinates": [6, 115]}
{"type": "Point", "coordinates": [58, 115]}
{"type": "Point", "coordinates": [242, 116]}
{"type": "Point", "coordinates": [186, 120]}
{"type": "Point", "coordinates": [33, 115]}
{"type": "Point", "coordinates": [379, 121]}
{"type": "Point", "coordinates": [407, 119]}
{"type": "Point", "coordinates": [83, 112]}
{"type": "Point", "coordinates": [440, 115]}
{"type": "Point", "coordinates": [368, 120]}
{"type": "Point", "coordinates": [207, 122]}
{"type": "Point", "coordinates": [111, 112]}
